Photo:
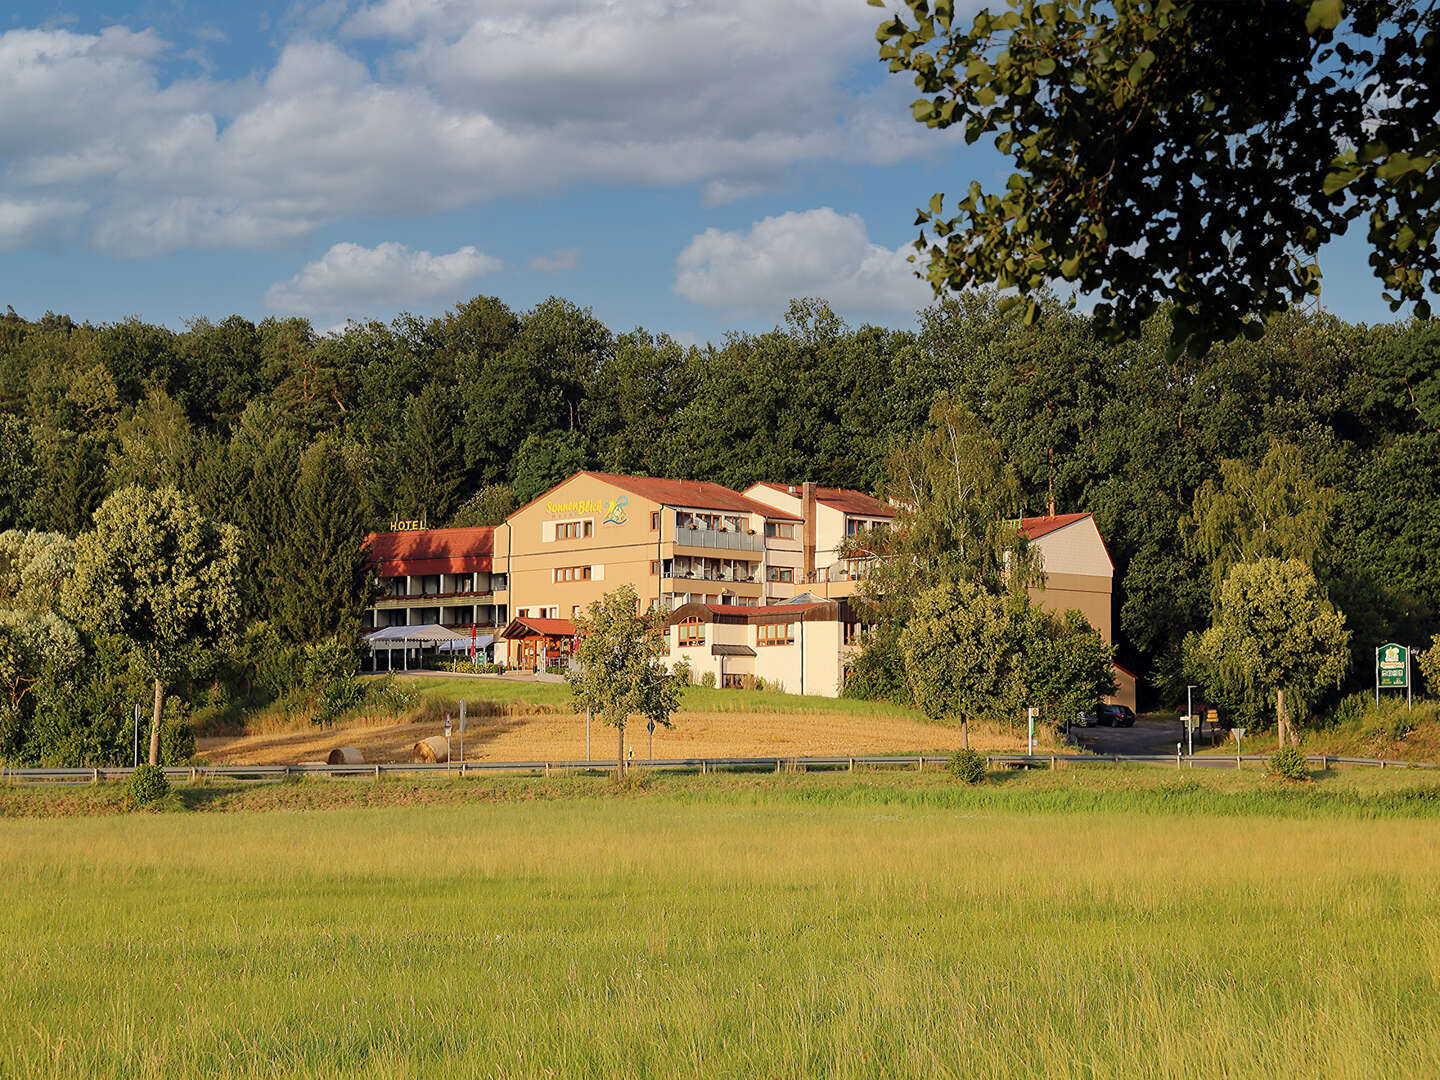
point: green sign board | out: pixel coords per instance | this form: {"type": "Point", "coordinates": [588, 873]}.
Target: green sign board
{"type": "Point", "coordinates": [1393, 666]}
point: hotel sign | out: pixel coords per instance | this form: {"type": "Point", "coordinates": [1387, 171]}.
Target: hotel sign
{"type": "Point", "coordinates": [1393, 666]}
{"type": "Point", "coordinates": [610, 511]}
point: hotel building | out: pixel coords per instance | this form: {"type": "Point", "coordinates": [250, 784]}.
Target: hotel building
{"type": "Point", "coordinates": [758, 583]}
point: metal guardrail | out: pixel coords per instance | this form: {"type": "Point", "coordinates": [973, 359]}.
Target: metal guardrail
{"type": "Point", "coordinates": [919, 762]}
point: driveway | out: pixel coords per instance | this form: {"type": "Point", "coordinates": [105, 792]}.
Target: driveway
{"type": "Point", "coordinates": [1148, 736]}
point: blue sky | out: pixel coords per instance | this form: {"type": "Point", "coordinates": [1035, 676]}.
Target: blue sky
{"type": "Point", "coordinates": [683, 166]}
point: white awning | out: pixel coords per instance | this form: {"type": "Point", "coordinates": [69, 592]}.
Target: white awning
{"type": "Point", "coordinates": [428, 634]}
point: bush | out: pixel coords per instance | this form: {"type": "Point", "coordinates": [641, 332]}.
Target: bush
{"type": "Point", "coordinates": [967, 766]}
{"type": "Point", "coordinates": [708, 680]}
{"type": "Point", "coordinates": [760, 684]}
{"type": "Point", "coordinates": [684, 672]}
{"type": "Point", "coordinates": [1289, 763]}
{"type": "Point", "coordinates": [389, 697]}
{"type": "Point", "coordinates": [147, 785]}
{"type": "Point", "coordinates": [177, 740]}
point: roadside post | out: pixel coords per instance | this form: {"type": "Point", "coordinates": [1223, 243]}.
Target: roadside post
{"type": "Point", "coordinates": [1032, 713]}
{"type": "Point", "coordinates": [650, 727]}
{"type": "Point", "coordinates": [462, 731]}
{"type": "Point", "coordinates": [1239, 734]}
{"type": "Point", "coordinates": [1189, 733]}
{"type": "Point", "coordinates": [447, 741]}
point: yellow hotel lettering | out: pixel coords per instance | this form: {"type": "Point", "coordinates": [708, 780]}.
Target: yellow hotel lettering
{"type": "Point", "coordinates": [611, 511]}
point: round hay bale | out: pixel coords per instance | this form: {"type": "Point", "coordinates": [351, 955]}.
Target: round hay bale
{"type": "Point", "coordinates": [432, 749]}
{"type": "Point", "coordinates": [346, 755]}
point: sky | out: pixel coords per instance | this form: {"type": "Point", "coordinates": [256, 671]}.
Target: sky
{"type": "Point", "coordinates": [681, 165]}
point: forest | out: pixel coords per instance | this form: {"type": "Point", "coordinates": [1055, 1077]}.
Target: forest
{"type": "Point", "coordinates": [1319, 440]}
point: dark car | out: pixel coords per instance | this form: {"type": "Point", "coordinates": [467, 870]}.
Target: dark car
{"type": "Point", "coordinates": [1115, 715]}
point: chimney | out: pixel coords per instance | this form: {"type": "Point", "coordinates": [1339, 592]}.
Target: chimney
{"type": "Point", "coordinates": [807, 511]}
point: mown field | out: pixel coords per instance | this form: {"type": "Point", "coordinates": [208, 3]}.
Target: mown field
{"type": "Point", "coordinates": [1089, 924]}
{"type": "Point", "coordinates": [513, 720]}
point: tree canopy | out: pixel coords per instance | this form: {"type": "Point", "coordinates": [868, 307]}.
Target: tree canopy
{"type": "Point", "coordinates": [1189, 153]}
{"type": "Point", "coordinates": [156, 571]}
{"type": "Point", "coordinates": [1275, 636]}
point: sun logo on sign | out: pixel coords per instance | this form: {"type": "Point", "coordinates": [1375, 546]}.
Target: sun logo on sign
{"type": "Point", "coordinates": [615, 512]}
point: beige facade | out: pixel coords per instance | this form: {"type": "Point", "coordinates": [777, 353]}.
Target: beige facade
{"type": "Point", "coordinates": [798, 648]}
{"type": "Point", "coordinates": [731, 567]}
{"type": "Point", "coordinates": [832, 518]}
{"type": "Point", "coordinates": [674, 542]}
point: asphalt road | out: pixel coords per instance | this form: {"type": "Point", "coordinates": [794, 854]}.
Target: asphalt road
{"type": "Point", "coordinates": [1146, 737]}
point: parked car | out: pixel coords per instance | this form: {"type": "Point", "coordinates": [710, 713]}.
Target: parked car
{"type": "Point", "coordinates": [1086, 719]}
{"type": "Point", "coordinates": [1116, 715]}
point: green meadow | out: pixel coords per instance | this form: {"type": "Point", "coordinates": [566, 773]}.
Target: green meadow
{"type": "Point", "coordinates": [1100, 923]}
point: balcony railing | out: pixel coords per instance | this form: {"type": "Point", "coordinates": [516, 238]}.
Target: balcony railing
{"type": "Point", "coordinates": [713, 575]}
{"type": "Point", "coordinates": [424, 598]}
{"type": "Point", "coordinates": [719, 538]}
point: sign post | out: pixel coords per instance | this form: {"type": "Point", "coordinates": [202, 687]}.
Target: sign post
{"type": "Point", "coordinates": [1032, 713]}
{"type": "Point", "coordinates": [447, 740]}
{"type": "Point", "coordinates": [1239, 734]}
{"type": "Point", "coordinates": [650, 727]}
{"type": "Point", "coordinates": [462, 731]}
{"type": "Point", "coordinates": [1392, 670]}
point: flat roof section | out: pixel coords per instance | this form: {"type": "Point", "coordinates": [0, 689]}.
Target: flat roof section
{"type": "Point", "coordinates": [432, 551]}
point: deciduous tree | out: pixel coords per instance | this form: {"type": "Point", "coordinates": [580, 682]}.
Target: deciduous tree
{"type": "Point", "coordinates": [155, 570]}
{"type": "Point", "coordinates": [1184, 152]}
{"type": "Point", "coordinates": [618, 670]}
{"type": "Point", "coordinates": [1274, 636]}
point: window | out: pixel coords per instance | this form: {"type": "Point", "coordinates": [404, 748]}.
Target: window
{"type": "Point", "coordinates": [775, 634]}
{"type": "Point", "coordinates": [654, 567]}
{"type": "Point", "coordinates": [654, 520]}
{"type": "Point", "coordinates": [574, 530]}
{"type": "Point", "coordinates": [779, 530]}
{"type": "Point", "coordinates": [731, 682]}
{"type": "Point", "coordinates": [780, 573]}
{"type": "Point", "coordinates": [854, 633]}
{"type": "Point", "coordinates": [691, 632]}
{"type": "Point", "coordinates": [572, 573]}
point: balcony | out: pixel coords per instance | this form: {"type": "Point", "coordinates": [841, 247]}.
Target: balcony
{"type": "Point", "coordinates": [396, 600]}
{"type": "Point", "coordinates": [729, 539]}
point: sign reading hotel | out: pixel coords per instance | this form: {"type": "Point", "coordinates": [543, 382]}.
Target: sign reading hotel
{"type": "Point", "coordinates": [610, 511]}
{"type": "Point", "coordinates": [1393, 667]}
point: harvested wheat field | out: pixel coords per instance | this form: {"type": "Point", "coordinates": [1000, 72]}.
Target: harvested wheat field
{"type": "Point", "coordinates": [561, 737]}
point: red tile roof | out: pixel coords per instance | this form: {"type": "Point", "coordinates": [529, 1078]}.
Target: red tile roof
{"type": "Point", "coordinates": [432, 551]}
{"type": "Point", "coordinates": [691, 494]}
{"type": "Point", "coordinates": [547, 627]}
{"type": "Point", "coordinates": [1036, 527]}
{"type": "Point", "coordinates": [846, 500]}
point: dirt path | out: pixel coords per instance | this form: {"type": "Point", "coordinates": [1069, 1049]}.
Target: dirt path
{"type": "Point", "coordinates": [561, 737]}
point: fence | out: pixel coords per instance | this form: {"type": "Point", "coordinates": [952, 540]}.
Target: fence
{"type": "Point", "coordinates": [918, 762]}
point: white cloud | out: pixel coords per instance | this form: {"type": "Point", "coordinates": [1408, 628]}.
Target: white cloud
{"type": "Point", "coordinates": [557, 262]}
{"type": "Point", "coordinates": [350, 280]}
{"type": "Point", "coordinates": [801, 253]}
{"type": "Point", "coordinates": [469, 100]}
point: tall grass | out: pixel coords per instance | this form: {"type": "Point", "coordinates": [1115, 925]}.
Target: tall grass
{"type": "Point", "coordinates": [738, 934]}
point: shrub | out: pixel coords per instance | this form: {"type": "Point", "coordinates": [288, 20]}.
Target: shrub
{"type": "Point", "coordinates": [1289, 763]}
{"type": "Point", "coordinates": [147, 785]}
{"type": "Point", "coordinates": [177, 740]}
{"type": "Point", "coordinates": [388, 696]}
{"type": "Point", "coordinates": [761, 684]}
{"type": "Point", "coordinates": [708, 680]}
{"type": "Point", "coordinates": [967, 766]}
{"type": "Point", "coordinates": [684, 672]}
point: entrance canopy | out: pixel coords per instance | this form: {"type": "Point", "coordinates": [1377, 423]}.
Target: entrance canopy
{"type": "Point", "coordinates": [427, 636]}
